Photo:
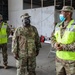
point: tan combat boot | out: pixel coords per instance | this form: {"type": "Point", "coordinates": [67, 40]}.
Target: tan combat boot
{"type": "Point", "coordinates": [5, 66]}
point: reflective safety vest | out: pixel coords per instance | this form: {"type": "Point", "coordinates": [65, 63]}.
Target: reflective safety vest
{"type": "Point", "coordinates": [3, 33]}
{"type": "Point", "coordinates": [67, 38]}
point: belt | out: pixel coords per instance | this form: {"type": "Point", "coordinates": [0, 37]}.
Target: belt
{"type": "Point", "coordinates": [65, 61]}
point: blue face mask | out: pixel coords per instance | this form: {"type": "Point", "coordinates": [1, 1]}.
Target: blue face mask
{"type": "Point", "coordinates": [62, 18]}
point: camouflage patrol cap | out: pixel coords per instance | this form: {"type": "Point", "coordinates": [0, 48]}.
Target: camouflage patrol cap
{"type": "Point", "coordinates": [67, 8]}
{"type": "Point", "coordinates": [1, 16]}
{"type": "Point", "coordinates": [25, 15]}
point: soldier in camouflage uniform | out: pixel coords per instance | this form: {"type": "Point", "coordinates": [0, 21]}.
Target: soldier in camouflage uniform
{"type": "Point", "coordinates": [4, 33]}
{"type": "Point", "coordinates": [65, 66]}
{"type": "Point", "coordinates": [25, 47]}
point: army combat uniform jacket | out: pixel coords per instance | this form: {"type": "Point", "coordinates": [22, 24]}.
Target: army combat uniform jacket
{"type": "Point", "coordinates": [28, 41]}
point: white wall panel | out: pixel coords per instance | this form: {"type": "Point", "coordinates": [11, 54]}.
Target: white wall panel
{"type": "Point", "coordinates": [43, 19]}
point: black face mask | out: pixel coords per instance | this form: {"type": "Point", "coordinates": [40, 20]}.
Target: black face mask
{"type": "Point", "coordinates": [27, 21]}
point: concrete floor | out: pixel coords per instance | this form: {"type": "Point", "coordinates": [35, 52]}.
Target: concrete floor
{"type": "Point", "coordinates": [45, 64]}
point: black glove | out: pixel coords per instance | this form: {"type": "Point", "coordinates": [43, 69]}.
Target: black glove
{"type": "Point", "coordinates": [37, 52]}
{"type": "Point", "coordinates": [16, 56]}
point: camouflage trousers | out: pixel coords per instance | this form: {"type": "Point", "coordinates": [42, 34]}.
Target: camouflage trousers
{"type": "Point", "coordinates": [25, 67]}
{"type": "Point", "coordinates": [64, 67]}
{"type": "Point", "coordinates": [4, 53]}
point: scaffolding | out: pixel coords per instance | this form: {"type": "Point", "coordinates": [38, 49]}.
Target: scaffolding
{"type": "Point", "coordinates": [55, 2]}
